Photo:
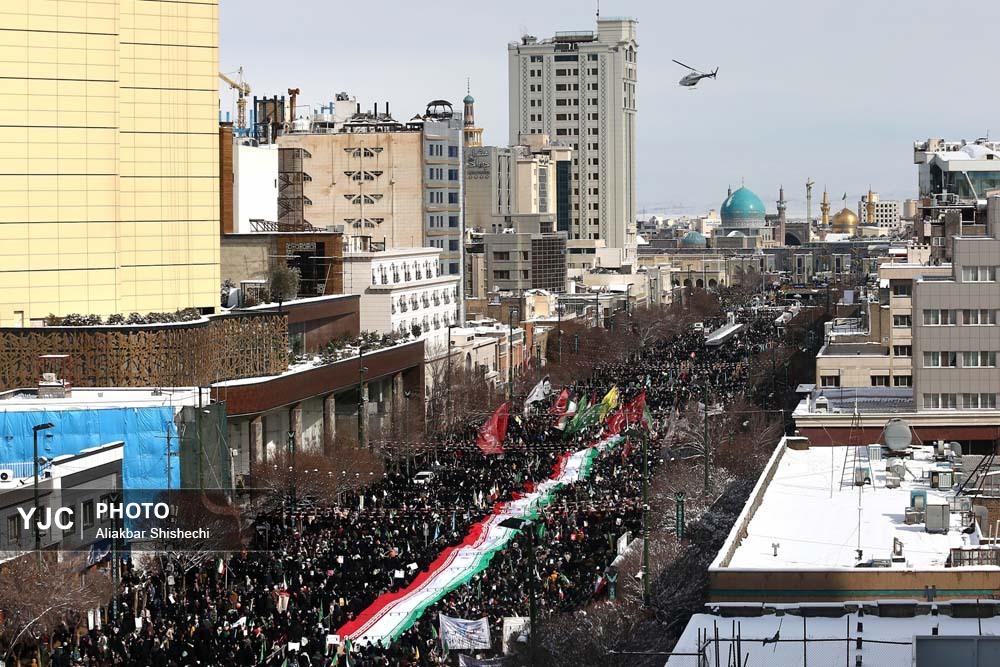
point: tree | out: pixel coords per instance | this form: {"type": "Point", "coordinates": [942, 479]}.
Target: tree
{"type": "Point", "coordinates": [283, 284]}
{"type": "Point", "coordinates": [37, 598]}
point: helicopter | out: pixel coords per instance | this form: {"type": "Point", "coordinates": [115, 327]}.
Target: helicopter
{"type": "Point", "coordinates": [692, 79]}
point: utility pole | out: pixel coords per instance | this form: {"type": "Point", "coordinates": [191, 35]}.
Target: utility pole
{"type": "Point", "coordinates": [646, 587]}
{"type": "Point", "coordinates": [447, 400]}
{"type": "Point", "coordinates": [559, 311]}
{"type": "Point", "coordinates": [707, 445]}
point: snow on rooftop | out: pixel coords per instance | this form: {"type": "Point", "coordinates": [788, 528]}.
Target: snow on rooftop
{"type": "Point", "coordinates": [815, 522]}
{"type": "Point", "coordinates": [100, 397]}
{"type": "Point", "coordinates": [824, 652]}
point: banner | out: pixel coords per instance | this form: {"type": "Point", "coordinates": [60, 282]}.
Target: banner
{"type": "Point", "coordinates": [538, 394]}
{"type": "Point", "coordinates": [469, 661]}
{"type": "Point", "coordinates": [493, 432]}
{"type": "Point", "coordinates": [514, 627]}
{"type": "Point", "coordinates": [393, 613]}
{"type": "Point", "coordinates": [458, 633]}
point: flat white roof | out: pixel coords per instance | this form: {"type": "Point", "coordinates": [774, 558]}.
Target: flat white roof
{"type": "Point", "coordinates": [101, 397]}
{"type": "Point", "coordinates": [815, 522]}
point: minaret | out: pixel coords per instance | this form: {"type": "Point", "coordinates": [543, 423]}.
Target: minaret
{"type": "Point", "coordinates": [825, 208]}
{"type": "Point", "coordinates": [782, 208]}
{"type": "Point", "coordinates": [473, 134]}
{"type": "Point", "coordinates": [870, 206]}
{"type": "Point", "coordinates": [809, 200]}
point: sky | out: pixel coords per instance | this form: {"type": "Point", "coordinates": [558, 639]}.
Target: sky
{"type": "Point", "coordinates": [832, 90]}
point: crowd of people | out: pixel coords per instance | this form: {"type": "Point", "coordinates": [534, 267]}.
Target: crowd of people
{"type": "Point", "coordinates": [276, 604]}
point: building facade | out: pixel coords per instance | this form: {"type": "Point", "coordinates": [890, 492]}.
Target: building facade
{"type": "Point", "coordinates": [403, 291]}
{"type": "Point", "coordinates": [882, 213]}
{"type": "Point", "coordinates": [580, 87]}
{"type": "Point", "coordinates": [443, 142]}
{"type": "Point", "coordinates": [108, 144]}
{"type": "Point", "coordinates": [956, 337]}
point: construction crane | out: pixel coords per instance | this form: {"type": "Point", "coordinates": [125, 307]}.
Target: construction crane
{"type": "Point", "coordinates": [243, 88]}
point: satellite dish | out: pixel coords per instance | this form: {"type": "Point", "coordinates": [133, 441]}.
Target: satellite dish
{"type": "Point", "coordinates": [898, 435]}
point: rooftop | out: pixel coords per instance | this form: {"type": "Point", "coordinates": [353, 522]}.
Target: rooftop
{"type": "Point", "coordinates": [828, 635]}
{"type": "Point", "coordinates": [864, 399]}
{"type": "Point", "coordinates": [23, 400]}
{"type": "Point", "coordinates": [852, 350]}
{"type": "Point", "coordinates": [801, 517]}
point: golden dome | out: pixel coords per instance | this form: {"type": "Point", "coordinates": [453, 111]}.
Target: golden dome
{"type": "Point", "coordinates": [845, 222]}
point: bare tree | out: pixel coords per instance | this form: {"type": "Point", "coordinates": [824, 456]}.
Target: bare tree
{"type": "Point", "coordinates": [37, 598]}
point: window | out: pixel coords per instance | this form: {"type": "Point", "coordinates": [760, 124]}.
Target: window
{"type": "Point", "coordinates": [452, 151]}
{"type": "Point", "coordinates": [979, 359]}
{"type": "Point", "coordinates": [979, 274]}
{"type": "Point", "coordinates": [880, 380]}
{"type": "Point", "coordinates": [830, 380]}
{"type": "Point", "coordinates": [453, 221]}
{"type": "Point", "coordinates": [902, 289]}
{"type": "Point", "coordinates": [501, 275]}
{"type": "Point", "coordinates": [13, 530]}
{"type": "Point", "coordinates": [902, 380]}
{"type": "Point", "coordinates": [71, 522]}
{"type": "Point", "coordinates": [940, 359]}
{"type": "Point", "coordinates": [979, 317]}
{"type": "Point", "coordinates": [452, 173]}
{"type": "Point", "coordinates": [452, 244]}
{"type": "Point", "coordinates": [452, 197]}
{"type": "Point", "coordinates": [501, 256]}
{"type": "Point", "coordinates": [902, 350]}
{"type": "Point", "coordinates": [940, 317]}
{"type": "Point", "coordinates": [979, 401]}
{"type": "Point", "coordinates": [436, 197]}
{"type": "Point", "coordinates": [940, 401]}
{"type": "Point", "coordinates": [87, 510]}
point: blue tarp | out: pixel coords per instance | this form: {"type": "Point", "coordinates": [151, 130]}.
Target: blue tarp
{"type": "Point", "coordinates": [143, 430]}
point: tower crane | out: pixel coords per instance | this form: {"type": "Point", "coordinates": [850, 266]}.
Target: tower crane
{"type": "Point", "coordinates": [243, 88]}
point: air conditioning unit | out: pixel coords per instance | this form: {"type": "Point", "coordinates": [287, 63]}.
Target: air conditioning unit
{"type": "Point", "coordinates": [891, 482]}
{"type": "Point", "coordinates": [937, 518]}
{"type": "Point", "coordinates": [6, 475]}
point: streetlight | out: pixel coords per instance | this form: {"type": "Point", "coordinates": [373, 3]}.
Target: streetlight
{"type": "Point", "coordinates": [38, 535]}
{"type": "Point", "coordinates": [447, 403]}
{"type": "Point", "coordinates": [362, 369]}
{"type": "Point", "coordinates": [514, 311]}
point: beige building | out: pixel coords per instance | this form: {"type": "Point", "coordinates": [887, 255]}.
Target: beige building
{"type": "Point", "coordinates": [368, 183]}
{"type": "Point", "coordinates": [876, 350]}
{"type": "Point", "coordinates": [109, 152]}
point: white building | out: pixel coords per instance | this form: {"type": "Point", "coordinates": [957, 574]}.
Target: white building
{"type": "Point", "coordinates": [885, 214]}
{"type": "Point", "coordinates": [404, 288]}
{"type": "Point", "coordinates": [579, 87]}
{"type": "Point", "coordinates": [255, 185]}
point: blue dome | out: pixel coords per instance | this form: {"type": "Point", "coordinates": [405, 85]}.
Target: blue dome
{"type": "Point", "coordinates": [469, 99]}
{"type": "Point", "coordinates": [742, 208]}
{"type": "Point", "coordinates": [694, 239]}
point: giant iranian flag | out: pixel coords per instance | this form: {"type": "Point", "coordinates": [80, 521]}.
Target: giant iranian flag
{"type": "Point", "coordinates": [392, 614]}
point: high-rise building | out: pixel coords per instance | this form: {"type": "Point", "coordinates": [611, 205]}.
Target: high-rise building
{"type": "Point", "coordinates": [579, 87]}
{"type": "Point", "coordinates": [110, 160]}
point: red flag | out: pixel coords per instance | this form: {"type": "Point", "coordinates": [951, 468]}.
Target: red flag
{"type": "Point", "coordinates": [616, 422]}
{"type": "Point", "coordinates": [635, 409]}
{"type": "Point", "coordinates": [492, 433]}
{"type": "Point", "coordinates": [561, 404]}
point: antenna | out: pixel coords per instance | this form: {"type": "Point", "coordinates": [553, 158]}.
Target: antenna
{"type": "Point", "coordinates": [598, 9]}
